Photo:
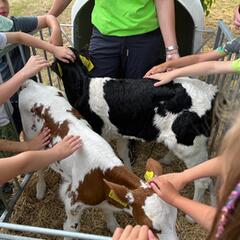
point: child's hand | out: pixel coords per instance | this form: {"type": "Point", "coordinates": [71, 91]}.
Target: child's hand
{"type": "Point", "coordinates": [176, 179]}
{"type": "Point", "coordinates": [34, 65]}
{"type": "Point", "coordinates": [133, 233]}
{"type": "Point", "coordinates": [39, 141]}
{"type": "Point", "coordinates": [163, 78]}
{"type": "Point", "coordinates": [156, 69]}
{"type": "Point", "coordinates": [165, 190]}
{"type": "Point", "coordinates": [236, 17]}
{"type": "Point", "coordinates": [67, 146]}
{"type": "Point", "coordinates": [64, 54]}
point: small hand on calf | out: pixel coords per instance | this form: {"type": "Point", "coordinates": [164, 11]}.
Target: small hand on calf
{"type": "Point", "coordinates": [156, 69]}
{"type": "Point", "coordinates": [163, 78]}
{"type": "Point", "coordinates": [134, 233]}
{"type": "Point", "coordinates": [40, 141]}
{"type": "Point", "coordinates": [164, 189]}
{"type": "Point", "coordinates": [64, 54]}
{"type": "Point", "coordinates": [67, 146]}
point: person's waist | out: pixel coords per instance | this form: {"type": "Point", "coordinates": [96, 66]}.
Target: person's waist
{"type": "Point", "coordinates": [126, 33]}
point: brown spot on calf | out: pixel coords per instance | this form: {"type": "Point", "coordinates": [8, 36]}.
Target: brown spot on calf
{"type": "Point", "coordinates": [57, 129]}
{"type": "Point", "coordinates": [75, 113]}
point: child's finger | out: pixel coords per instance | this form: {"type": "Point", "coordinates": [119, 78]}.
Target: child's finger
{"type": "Point", "coordinates": [76, 147]}
{"type": "Point", "coordinates": [155, 188]}
{"type": "Point", "coordinates": [158, 84]}
{"type": "Point", "coordinates": [47, 138]}
{"type": "Point", "coordinates": [75, 143]}
{"type": "Point", "coordinates": [135, 232]}
{"type": "Point", "coordinates": [143, 234]}
{"type": "Point", "coordinates": [64, 58]}
{"type": "Point", "coordinates": [46, 143]}
{"type": "Point", "coordinates": [66, 138]}
{"type": "Point", "coordinates": [117, 234]}
{"type": "Point", "coordinates": [126, 232]}
{"type": "Point", "coordinates": [73, 138]}
{"type": "Point", "coordinates": [151, 236]}
{"type": "Point", "coordinates": [45, 132]}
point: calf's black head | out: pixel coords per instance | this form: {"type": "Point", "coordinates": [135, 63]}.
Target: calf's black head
{"type": "Point", "coordinates": [73, 74]}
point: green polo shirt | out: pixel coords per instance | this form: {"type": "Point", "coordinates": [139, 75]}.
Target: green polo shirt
{"type": "Point", "coordinates": [124, 17]}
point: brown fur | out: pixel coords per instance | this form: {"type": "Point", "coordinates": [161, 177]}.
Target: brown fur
{"type": "Point", "coordinates": [57, 129]}
{"type": "Point", "coordinates": [75, 113]}
{"type": "Point", "coordinates": [93, 190]}
{"type": "Point", "coordinates": [154, 166]}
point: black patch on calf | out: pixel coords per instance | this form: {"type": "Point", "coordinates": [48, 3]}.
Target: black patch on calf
{"type": "Point", "coordinates": [133, 102]}
{"type": "Point", "coordinates": [188, 125]}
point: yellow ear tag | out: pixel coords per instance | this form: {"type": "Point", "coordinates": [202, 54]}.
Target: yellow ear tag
{"type": "Point", "coordinates": [86, 62]}
{"type": "Point", "coordinates": [148, 175]}
{"type": "Point", "coordinates": [59, 69]}
{"type": "Point", "coordinates": [114, 196]}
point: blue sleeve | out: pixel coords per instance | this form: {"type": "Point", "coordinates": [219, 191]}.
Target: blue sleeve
{"type": "Point", "coordinates": [25, 24]}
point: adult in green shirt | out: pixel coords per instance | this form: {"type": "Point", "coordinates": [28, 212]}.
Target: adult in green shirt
{"type": "Point", "coordinates": [129, 36]}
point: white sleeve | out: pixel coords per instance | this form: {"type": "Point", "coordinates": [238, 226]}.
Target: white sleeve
{"type": "Point", "coordinates": [3, 40]}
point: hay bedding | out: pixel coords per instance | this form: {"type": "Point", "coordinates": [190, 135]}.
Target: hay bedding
{"type": "Point", "coordinates": [50, 213]}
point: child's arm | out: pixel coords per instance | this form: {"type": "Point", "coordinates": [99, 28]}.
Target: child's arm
{"type": "Point", "coordinates": [33, 160]}
{"type": "Point", "coordinates": [202, 69]}
{"type": "Point", "coordinates": [212, 167]}
{"type": "Point", "coordinates": [51, 22]}
{"type": "Point", "coordinates": [58, 7]}
{"type": "Point", "coordinates": [236, 18]}
{"type": "Point", "coordinates": [62, 53]}
{"type": "Point", "coordinates": [201, 213]}
{"type": "Point", "coordinates": [33, 66]}
{"type": "Point", "coordinates": [37, 143]}
{"type": "Point", "coordinates": [186, 61]}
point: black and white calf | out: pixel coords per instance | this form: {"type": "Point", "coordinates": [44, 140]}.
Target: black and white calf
{"type": "Point", "coordinates": [177, 114]}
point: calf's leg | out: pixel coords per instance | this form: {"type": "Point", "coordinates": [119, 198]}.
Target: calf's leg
{"type": "Point", "coordinates": [123, 151]}
{"type": "Point", "coordinates": [73, 209]}
{"type": "Point", "coordinates": [41, 185]}
{"type": "Point", "coordinates": [112, 223]}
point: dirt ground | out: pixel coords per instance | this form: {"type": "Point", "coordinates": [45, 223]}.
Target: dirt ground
{"type": "Point", "coordinates": [50, 212]}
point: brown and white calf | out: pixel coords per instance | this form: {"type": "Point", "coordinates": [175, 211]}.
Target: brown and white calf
{"type": "Point", "coordinates": [93, 176]}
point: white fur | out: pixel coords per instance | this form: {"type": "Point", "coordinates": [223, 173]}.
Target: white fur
{"type": "Point", "coordinates": [163, 216]}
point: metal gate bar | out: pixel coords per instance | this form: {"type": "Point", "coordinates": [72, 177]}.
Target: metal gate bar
{"type": "Point", "coordinates": [52, 232]}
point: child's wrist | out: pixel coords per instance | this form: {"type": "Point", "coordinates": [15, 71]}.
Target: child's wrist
{"type": "Point", "coordinates": [175, 200]}
{"type": "Point", "coordinates": [185, 177]}
{"type": "Point", "coordinates": [25, 146]}
{"type": "Point", "coordinates": [21, 75]}
{"type": "Point", "coordinates": [235, 65]}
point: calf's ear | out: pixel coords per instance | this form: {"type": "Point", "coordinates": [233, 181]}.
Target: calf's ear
{"type": "Point", "coordinates": [153, 168]}
{"type": "Point", "coordinates": [118, 194]}
{"type": "Point", "coordinates": [56, 67]}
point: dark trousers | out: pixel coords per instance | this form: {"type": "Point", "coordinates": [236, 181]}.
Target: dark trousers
{"type": "Point", "coordinates": [125, 57]}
